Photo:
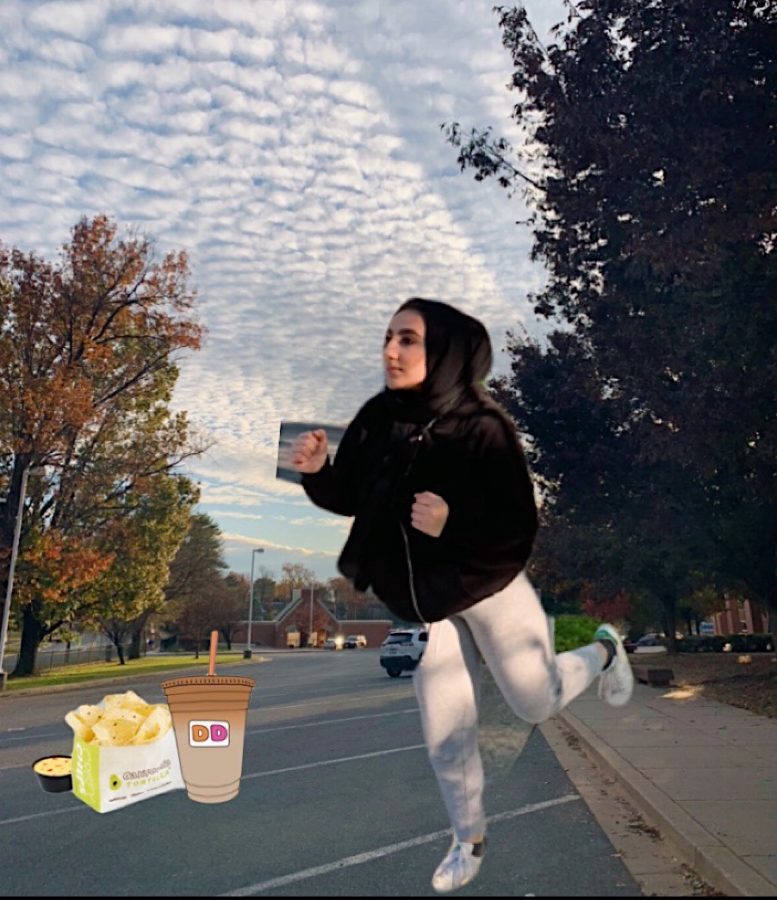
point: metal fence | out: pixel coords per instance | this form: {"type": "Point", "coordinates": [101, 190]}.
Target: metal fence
{"type": "Point", "coordinates": [49, 658]}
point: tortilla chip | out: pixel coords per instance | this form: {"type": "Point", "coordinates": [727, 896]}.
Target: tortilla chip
{"type": "Point", "coordinates": [154, 726]}
{"type": "Point", "coordinates": [121, 719]}
{"type": "Point", "coordinates": [112, 732]}
{"type": "Point", "coordinates": [80, 728]}
{"type": "Point", "coordinates": [89, 714]}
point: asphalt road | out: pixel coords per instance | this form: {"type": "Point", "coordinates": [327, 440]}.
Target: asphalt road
{"type": "Point", "coordinates": [337, 799]}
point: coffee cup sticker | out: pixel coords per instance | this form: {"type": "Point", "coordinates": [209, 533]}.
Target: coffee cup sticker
{"type": "Point", "coordinates": [209, 715]}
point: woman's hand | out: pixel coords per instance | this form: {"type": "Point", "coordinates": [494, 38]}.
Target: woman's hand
{"type": "Point", "coordinates": [310, 451]}
{"type": "Point", "coordinates": [429, 513]}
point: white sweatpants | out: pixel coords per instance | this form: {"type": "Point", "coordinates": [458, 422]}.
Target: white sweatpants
{"type": "Point", "coordinates": [512, 634]}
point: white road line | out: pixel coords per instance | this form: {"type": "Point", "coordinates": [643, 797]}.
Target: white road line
{"type": "Point", "coordinates": [400, 712]}
{"type": "Point", "coordinates": [31, 737]}
{"type": "Point", "coordinates": [329, 762]}
{"type": "Point", "coordinates": [324, 762]}
{"type": "Point", "coordinates": [388, 850]}
{"type": "Point", "coordinates": [394, 695]}
{"type": "Point", "coordinates": [40, 815]}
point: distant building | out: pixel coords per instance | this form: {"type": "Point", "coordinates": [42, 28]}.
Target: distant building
{"type": "Point", "coordinates": [304, 622]}
{"type": "Point", "coordinates": [741, 617]}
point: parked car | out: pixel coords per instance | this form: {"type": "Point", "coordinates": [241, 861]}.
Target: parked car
{"type": "Point", "coordinates": [335, 643]}
{"type": "Point", "coordinates": [355, 641]}
{"type": "Point", "coordinates": [651, 643]}
{"type": "Point", "coordinates": [402, 650]}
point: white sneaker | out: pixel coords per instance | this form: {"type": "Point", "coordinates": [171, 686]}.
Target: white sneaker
{"type": "Point", "coordinates": [616, 683]}
{"type": "Point", "coordinates": [459, 867]}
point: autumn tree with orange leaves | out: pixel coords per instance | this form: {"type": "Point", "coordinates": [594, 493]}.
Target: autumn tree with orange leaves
{"type": "Point", "coordinates": [88, 349]}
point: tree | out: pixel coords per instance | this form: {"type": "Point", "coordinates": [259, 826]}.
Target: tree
{"type": "Point", "coordinates": [149, 534]}
{"type": "Point", "coordinates": [295, 575]}
{"type": "Point", "coordinates": [265, 588]}
{"type": "Point", "coordinates": [607, 510]}
{"type": "Point", "coordinates": [197, 618]}
{"type": "Point", "coordinates": [229, 606]}
{"type": "Point", "coordinates": [350, 603]}
{"type": "Point", "coordinates": [700, 605]}
{"type": "Point", "coordinates": [87, 368]}
{"type": "Point", "coordinates": [196, 581]}
{"type": "Point", "coordinates": [653, 209]}
{"type": "Point", "coordinates": [198, 561]}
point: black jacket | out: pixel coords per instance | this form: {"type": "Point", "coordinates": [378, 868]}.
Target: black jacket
{"type": "Point", "coordinates": [474, 461]}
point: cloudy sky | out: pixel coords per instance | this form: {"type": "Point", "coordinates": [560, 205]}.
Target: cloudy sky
{"type": "Point", "coordinates": [294, 150]}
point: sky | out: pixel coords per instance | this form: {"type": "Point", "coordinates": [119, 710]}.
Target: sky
{"type": "Point", "coordinates": [294, 150]}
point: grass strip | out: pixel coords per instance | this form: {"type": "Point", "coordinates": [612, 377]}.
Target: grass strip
{"type": "Point", "coordinates": [113, 670]}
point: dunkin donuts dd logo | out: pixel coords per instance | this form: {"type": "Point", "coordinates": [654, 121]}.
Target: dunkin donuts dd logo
{"type": "Point", "coordinates": [208, 734]}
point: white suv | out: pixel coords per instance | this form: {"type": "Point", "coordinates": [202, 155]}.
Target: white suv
{"type": "Point", "coordinates": [355, 641]}
{"type": "Point", "coordinates": [402, 650]}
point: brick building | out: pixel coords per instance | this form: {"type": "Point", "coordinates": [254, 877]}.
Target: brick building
{"type": "Point", "coordinates": [741, 617]}
{"type": "Point", "coordinates": [304, 617]}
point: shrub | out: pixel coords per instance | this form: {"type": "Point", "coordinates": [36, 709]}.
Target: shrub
{"type": "Point", "coordinates": [574, 631]}
{"type": "Point", "coordinates": [716, 643]}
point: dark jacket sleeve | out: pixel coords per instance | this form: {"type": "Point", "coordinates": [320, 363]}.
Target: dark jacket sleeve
{"type": "Point", "coordinates": [498, 518]}
{"type": "Point", "coordinates": [335, 486]}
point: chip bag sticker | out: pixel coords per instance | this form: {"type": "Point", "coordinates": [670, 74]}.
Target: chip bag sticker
{"type": "Point", "coordinates": [124, 750]}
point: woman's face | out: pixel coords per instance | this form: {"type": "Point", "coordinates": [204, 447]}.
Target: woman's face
{"type": "Point", "coordinates": [404, 352]}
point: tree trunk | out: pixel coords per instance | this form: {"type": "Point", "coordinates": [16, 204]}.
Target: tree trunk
{"type": "Point", "coordinates": [670, 621]}
{"type": "Point", "coordinates": [120, 652]}
{"type": "Point", "coordinates": [134, 647]}
{"type": "Point", "coordinates": [32, 634]}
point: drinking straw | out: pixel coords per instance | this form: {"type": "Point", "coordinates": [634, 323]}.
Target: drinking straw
{"type": "Point", "coordinates": [214, 641]}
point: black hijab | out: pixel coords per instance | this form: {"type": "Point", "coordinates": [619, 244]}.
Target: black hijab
{"type": "Point", "coordinates": [458, 359]}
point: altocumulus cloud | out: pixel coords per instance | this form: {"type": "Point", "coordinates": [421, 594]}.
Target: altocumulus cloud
{"type": "Point", "coordinates": [294, 150]}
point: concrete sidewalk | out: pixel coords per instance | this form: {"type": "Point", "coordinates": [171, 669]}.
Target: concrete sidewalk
{"type": "Point", "coordinates": [704, 773]}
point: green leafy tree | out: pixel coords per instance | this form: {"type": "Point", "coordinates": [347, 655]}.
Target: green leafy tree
{"type": "Point", "coordinates": [149, 533]}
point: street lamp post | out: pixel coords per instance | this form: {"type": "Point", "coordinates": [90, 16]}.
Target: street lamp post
{"type": "Point", "coordinates": [310, 630]}
{"type": "Point", "coordinates": [334, 603]}
{"type": "Point", "coordinates": [9, 587]}
{"type": "Point", "coordinates": [247, 653]}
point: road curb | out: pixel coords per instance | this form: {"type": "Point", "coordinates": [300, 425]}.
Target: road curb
{"type": "Point", "coordinates": [711, 859]}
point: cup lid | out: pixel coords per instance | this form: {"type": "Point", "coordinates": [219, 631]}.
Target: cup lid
{"type": "Point", "coordinates": [205, 680]}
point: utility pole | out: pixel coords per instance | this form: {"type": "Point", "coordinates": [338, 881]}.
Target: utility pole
{"type": "Point", "coordinates": [14, 553]}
